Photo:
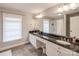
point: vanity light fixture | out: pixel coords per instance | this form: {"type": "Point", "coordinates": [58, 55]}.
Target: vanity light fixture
{"type": "Point", "coordinates": [73, 6]}
{"type": "Point", "coordinates": [60, 9]}
{"type": "Point", "coordinates": [65, 8]}
{"type": "Point", "coordinates": [59, 14]}
{"type": "Point", "coordinates": [39, 16]}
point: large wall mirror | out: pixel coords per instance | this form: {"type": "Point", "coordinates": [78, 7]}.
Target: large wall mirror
{"type": "Point", "coordinates": [54, 25]}
{"type": "Point", "coordinates": [74, 25]}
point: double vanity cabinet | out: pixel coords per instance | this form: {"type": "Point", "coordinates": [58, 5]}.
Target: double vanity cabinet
{"type": "Point", "coordinates": [52, 49]}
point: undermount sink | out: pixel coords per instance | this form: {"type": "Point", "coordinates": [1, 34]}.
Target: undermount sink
{"type": "Point", "coordinates": [63, 42]}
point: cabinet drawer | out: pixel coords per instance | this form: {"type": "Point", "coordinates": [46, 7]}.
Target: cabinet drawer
{"type": "Point", "coordinates": [64, 51]}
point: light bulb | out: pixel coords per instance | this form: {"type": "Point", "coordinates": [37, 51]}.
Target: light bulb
{"type": "Point", "coordinates": [39, 16]}
{"type": "Point", "coordinates": [59, 14]}
{"type": "Point", "coordinates": [60, 10]}
{"type": "Point", "coordinates": [65, 8]}
{"type": "Point", "coordinates": [73, 6]}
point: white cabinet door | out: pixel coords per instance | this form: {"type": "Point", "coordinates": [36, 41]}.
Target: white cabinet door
{"type": "Point", "coordinates": [56, 50]}
{"type": "Point", "coordinates": [51, 49]}
{"type": "Point", "coordinates": [6, 53]}
{"type": "Point", "coordinates": [65, 52]}
{"type": "Point", "coordinates": [32, 40]}
{"type": "Point", "coordinates": [75, 54]}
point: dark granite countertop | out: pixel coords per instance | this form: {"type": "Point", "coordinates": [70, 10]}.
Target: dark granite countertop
{"type": "Point", "coordinates": [53, 39]}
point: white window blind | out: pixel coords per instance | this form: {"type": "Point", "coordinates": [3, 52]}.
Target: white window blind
{"type": "Point", "coordinates": [46, 26]}
{"type": "Point", "coordinates": [12, 27]}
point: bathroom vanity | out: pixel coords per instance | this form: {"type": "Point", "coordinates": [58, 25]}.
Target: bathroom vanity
{"type": "Point", "coordinates": [54, 45]}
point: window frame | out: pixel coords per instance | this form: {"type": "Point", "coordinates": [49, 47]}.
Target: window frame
{"type": "Point", "coordinates": [4, 15]}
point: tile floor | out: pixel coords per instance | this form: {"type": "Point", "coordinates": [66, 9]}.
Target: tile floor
{"type": "Point", "coordinates": [26, 50]}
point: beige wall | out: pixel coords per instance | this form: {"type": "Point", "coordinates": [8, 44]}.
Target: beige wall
{"type": "Point", "coordinates": [28, 24]}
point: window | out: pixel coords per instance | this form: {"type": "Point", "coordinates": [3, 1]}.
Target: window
{"type": "Point", "coordinates": [12, 27]}
{"type": "Point", "coordinates": [46, 26]}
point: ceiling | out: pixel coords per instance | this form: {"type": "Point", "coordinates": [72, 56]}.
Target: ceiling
{"type": "Point", "coordinates": [28, 7]}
